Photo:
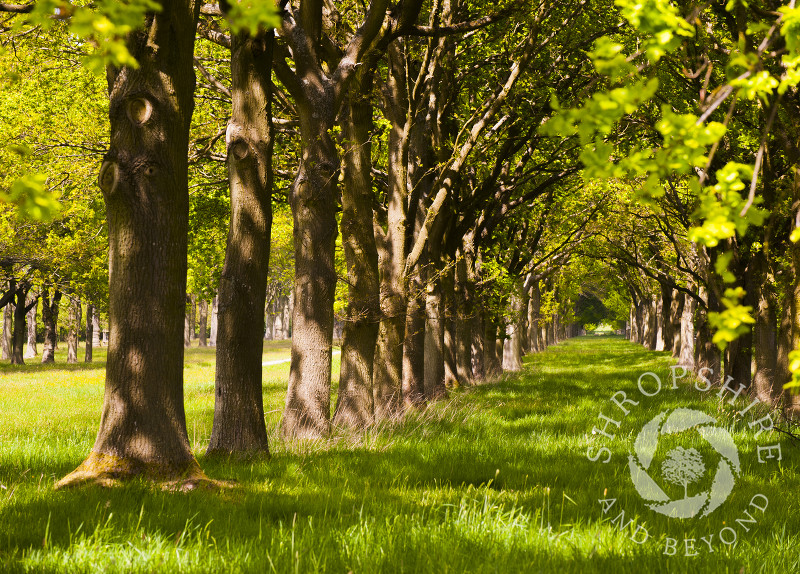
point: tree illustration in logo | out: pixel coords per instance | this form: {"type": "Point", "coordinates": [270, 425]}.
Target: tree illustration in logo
{"type": "Point", "coordinates": [683, 467]}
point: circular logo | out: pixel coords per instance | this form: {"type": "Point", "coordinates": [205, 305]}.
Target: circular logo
{"type": "Point", "coordinates": [681, 466]}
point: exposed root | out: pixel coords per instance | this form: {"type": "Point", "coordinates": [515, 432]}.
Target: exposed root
{"type": "Point", "coordinates": [107, 471]}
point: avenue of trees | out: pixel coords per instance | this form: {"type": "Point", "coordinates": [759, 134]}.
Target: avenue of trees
{"type": "Point", "coordinates": [439, 186]}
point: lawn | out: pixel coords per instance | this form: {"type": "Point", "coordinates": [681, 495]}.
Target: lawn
{"type": "Point", "coordinates": [494, 479]}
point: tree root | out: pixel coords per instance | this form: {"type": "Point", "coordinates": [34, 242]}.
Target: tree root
{"type": "Point", "coordinates": [108, 471]}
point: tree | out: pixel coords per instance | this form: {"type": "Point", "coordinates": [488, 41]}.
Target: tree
{"type": "Point", "coordinates": [238, 408]}
{"type": "Point", "coordinates": [144, 182]}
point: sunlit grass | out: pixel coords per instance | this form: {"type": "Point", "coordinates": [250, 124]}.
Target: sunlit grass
{"type": "Point", "coordinates": [495, 479]}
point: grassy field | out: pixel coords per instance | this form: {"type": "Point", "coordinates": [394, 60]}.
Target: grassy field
{"type": "Point", "coordinates": [495, 479]}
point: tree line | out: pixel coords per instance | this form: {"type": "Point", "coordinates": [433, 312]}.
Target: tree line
{"type": "Point", "coordinates": [466, 182]}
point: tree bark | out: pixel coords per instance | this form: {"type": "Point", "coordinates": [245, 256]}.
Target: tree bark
{"type": "Point", "coordinates": [676, 311]}
{"type": "Point", "coordinates": [203, 320]}
{"type": "Point", "coordinates": [50, 320]}
{"type": "Point", "coordinates": [20, 332]}
{"type": "Point", "coordinates": [187, 323]}
{"type": "Point", "coordinates": [686, 354]}
{"type": "Point", "coordinates": [707, 355]}
{"type": "Point", "coordinates": [212, 329]}
{"type": "Point", "coordinates": [8, 325]}
{"type": "Point", "coordinates": [239, 407]}
{"type": "Point", "coordinates": [90, 318]}
{"type": "Point", "coordinates": [74, 329]}
{"type": "Point", "coordinates": [765, 332]}
{"type": "Point", "coordinates": [490, 359]}
{"type": "Point", "coordinates": [463, 303]}
{"type": "Point", "coordinates": [31, 350]}
{"type": "Point", "coordinates": [355, 401]}
{"type": "Point", "coordinates": [413, 384]}
{"type": "Point", "coordinates": [144, 180]}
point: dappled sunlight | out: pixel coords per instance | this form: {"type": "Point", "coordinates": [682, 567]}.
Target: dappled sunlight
{"type": "Point", "coordinates": [499, 468]}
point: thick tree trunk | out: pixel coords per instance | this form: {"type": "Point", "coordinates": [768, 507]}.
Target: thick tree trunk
{"type": "Point", "coordinates": [388, 369]}
{"type": "Point", "coordinates": [144, 183]}
{"type": "Point", "coordinates": [313, 200]}
{"type": "Point", "coordinates": [202, 312]}
{"type": "Point", "coordinates": [477, 346]}
{"type": "Point", "coordinates": [355, 401]}
{"type": "Point", "coordinates": [50, 321]}
{"type": "Point", "coordinates": [238, 426]}
{"type": "Point", "coordinates": [31, 350]}
{"type": "Point", "coordinates": [90, 318]}
{"type": "Point", "coordinates": [73, 330]}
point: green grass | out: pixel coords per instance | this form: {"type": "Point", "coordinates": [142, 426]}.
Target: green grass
{"type": "Point", "coordinates": [495, 479]}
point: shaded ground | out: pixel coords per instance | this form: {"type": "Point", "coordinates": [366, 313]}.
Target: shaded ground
{"type": "Point", "coordinates": [495, 479]}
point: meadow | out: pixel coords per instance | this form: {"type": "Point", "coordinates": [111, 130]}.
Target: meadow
{"type": "Point", "coordinates": [494, 479]}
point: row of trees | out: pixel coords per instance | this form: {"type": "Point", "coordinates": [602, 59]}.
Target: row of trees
{"type": "Point", "coordinates": [489, 187]}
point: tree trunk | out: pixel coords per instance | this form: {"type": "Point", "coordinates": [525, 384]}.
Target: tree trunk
{"type": "Point", "coordinates": [434, 342]}
{"type": "Point", "coordinates": [74, 329]}
{"type": "Point", "coordinates": [8, 325]}
{"type": "Point", "coordinates": [355, 401]}
{"type": "Point", "coordinates": [490, 359]}
{"type": "Point", "coordinates": [686, 356]}
{"type": "Point", "coordinates": [534, 310]}
{"type": "Point", "coordinates": [90, 314]}
{"type": "Point", "coordinates": [96, 333]}
{"type": "Point", "coordinates": [20, 333]}
{"type": "Point", "coordinates": [676, 311]}
{"type": "Point", "coordinates": [512, 351]}
{"type": "Point", "coordinates": [187, 323]}
{"type": "Point", "coordinates": [765, 332]}
{"type": "Point", "coordinates": [707, 355]}
{"type": "Point", "coordinates": [50, 320]}
{"type": "Point", "coordinates": [212, 329]}
{"type": "Point", "coordinates": [462, 303]}
{"type": "Point", "coordinates": [477, 346]}
{"type": "Point", "coordinates": [388, 370]}
{"type": "Point", "coordinates": [31, 350]}
{"type": "Point", "coordinates": [193, 315]}
{"type": "Point", "coordinates": [202, 314]}
{"type": "Point", "coordinates": [313, 201]}
{"type": "Point", "coordinates": [144, 179]}
{"type": "Point", "coordinates": [660, 324]}
{"type": "Point", "coordinates": [239, 405]}
{"type": "Point", "coordinates": [414, 344]}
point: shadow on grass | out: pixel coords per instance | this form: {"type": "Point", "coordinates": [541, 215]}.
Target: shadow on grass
{"type": "Point", "coordinates": [495, 478]}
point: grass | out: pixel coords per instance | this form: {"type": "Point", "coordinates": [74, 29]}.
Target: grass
{"type": "Point", "coordinates": [495, 479]}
